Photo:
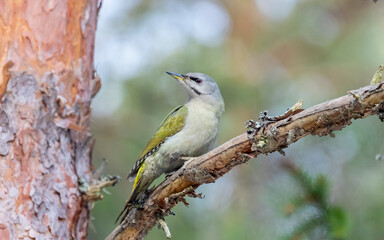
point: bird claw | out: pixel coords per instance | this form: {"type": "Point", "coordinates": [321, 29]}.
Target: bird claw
{"type": "Point", "coordinates": [138, 205]}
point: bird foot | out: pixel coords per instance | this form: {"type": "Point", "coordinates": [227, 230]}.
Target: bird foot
{"type": "Point", "coordinates": [138, 204]}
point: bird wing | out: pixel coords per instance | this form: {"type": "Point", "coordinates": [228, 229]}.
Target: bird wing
{"type": "Point", "coordinates": [172, 124]}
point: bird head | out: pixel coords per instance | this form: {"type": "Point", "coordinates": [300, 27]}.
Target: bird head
{"type": "Point", "coordinates": [199, 85]}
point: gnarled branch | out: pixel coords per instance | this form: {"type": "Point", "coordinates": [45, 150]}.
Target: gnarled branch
{"type": "Point", "coordinates": [319, 120]}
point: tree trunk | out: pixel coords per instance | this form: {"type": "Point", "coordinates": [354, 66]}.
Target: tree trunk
{"type": "Point", "coordinates": [46, 87]}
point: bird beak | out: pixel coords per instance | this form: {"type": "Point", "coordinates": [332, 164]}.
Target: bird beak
{"type": "Point", "coordinates": [176, 75]}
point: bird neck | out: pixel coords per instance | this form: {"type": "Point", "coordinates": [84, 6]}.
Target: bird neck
{"type": "Point", "coordinates": [215, 105]}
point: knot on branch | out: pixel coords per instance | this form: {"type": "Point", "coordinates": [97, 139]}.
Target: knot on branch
{"type": "Point", "coordinates": [265, 141]}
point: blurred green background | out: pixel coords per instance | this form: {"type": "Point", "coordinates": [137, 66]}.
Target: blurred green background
{"type": "Point", "coordinates": [264, 55]}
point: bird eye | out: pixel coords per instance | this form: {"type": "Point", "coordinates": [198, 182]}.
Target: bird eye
{"type": "Point", "coordinates": [195, 79]}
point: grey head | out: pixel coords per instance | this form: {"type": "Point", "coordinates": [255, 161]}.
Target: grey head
{"type": "Point", "coordinates": [199, 85]}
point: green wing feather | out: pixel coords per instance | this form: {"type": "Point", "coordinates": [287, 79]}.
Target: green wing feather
{"type": "Point", "coordinates": [172, 124]}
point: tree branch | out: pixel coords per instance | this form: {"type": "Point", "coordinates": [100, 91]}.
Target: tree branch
{"type": "Point", "coordinates": [319, 120]}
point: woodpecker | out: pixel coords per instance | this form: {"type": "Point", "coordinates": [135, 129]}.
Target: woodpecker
{"type": "Point", "coordinates": [189, 130]}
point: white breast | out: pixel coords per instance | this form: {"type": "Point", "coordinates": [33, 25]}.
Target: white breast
{"type": "Point", "coordinates": [199, 134]}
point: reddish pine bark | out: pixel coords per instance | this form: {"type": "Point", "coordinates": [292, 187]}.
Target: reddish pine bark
{"type": "Point", "coordinates": [46, 86]}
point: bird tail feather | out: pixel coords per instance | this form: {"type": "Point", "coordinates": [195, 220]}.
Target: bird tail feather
{"type": "Point", "coordinates": [124, 213]}
{"type": "Point", "coordinates": [132, 200]}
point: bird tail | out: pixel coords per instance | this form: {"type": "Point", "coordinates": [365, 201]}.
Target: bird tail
{"type": "Point", "coordinates": [138, 188]}
{"type": "Point", "coordinates": [124, 213]}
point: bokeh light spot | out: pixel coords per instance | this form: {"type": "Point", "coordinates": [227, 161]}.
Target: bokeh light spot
{"type": "Point", "coordinates": [276, 9]}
